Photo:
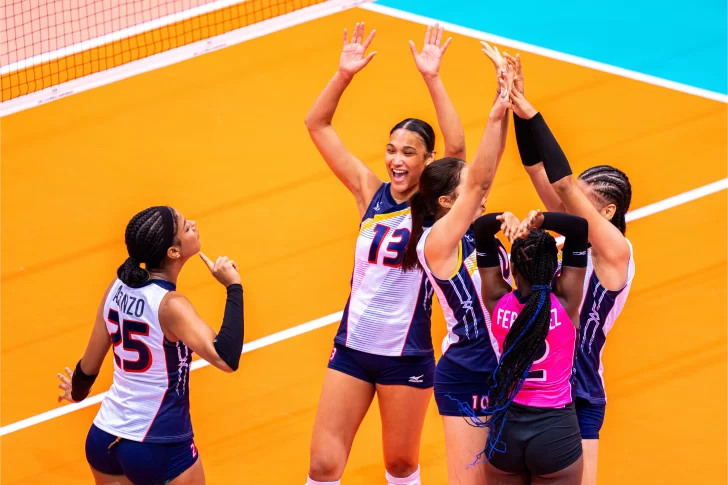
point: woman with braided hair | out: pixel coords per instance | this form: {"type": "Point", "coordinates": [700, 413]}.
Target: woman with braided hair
{"type": "Point", "coordinates": [601, 195]}
{"type": "Point", "coordinates": [143, 433]}
{"type": "Point", "coordinates": [533, 432]}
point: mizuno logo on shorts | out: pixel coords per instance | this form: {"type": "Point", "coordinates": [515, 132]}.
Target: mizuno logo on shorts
{"type": "Point", "coordinates": [416, 378]}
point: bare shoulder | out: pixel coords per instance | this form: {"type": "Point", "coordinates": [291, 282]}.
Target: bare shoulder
{"type": "Point", "coordinates": [173, 304]}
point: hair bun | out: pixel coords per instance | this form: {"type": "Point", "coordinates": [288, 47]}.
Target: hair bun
{"type": "Point", "coordinates": [131, 273]}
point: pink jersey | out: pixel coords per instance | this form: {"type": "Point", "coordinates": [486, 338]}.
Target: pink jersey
{"type": "Point", "coordinates": [549, 383]}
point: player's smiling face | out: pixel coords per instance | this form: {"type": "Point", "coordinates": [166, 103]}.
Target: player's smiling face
{"type": "Point", "coordinates": [405, 159]}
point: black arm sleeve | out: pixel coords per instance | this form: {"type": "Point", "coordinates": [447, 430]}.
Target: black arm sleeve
{"type": "Point", "coordinates": [554, 159]}
{"type": "Point", "coordinates": [526, 144]}
{"type": "Point", "coordinates": [486, 249]}
{"type": "Point", "coordinates": [576, 233]}
{"type": "Point", "coordinates": [229, 341]}
{"type": "Point", "coordinates": [81, 383]}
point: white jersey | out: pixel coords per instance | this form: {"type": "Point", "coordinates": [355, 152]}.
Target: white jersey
{"type": "Point", "coordinates": [388, 312]}
{"type": "Point", "coordinates": [469, 342]}
{"type": "Point", "coordinates": [149, 398]}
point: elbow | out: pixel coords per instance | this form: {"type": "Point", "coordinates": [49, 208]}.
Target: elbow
{"type": "Point", "coordinates": [312, 123]}
{"type": "Point", "coordinates": [456, 150]}
{"type": "Point", "coordinates": [564, 185]}
{"type": "Point", "coordinates": [228, 367]}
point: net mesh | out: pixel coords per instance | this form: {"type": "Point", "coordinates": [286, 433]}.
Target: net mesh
{"type": "Point", "coordinates": [44, 43]}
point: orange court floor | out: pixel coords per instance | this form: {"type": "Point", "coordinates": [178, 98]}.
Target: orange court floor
{"type": "Point", "coordinates": [221, 138]}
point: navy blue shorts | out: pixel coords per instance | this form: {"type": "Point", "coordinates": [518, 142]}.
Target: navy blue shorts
{"type": "Point", "coordinates": [141, 463]}
{"type": "Point", "coordinates": [591, 418]}
{"type": "Point", "coordinates": [407, 370]}
{"type": "Point", "coordinates": [456, 387]}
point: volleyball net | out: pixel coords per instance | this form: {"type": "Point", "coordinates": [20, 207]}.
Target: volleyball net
{"type": "Point", "coordinates": [48, 46]}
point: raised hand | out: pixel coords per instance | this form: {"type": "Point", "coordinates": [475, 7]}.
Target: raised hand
{"type": "Point", "coordinates": [494, 55]}
{"type": "Point", "coordinates": [505, 85]}
{"type": "Point", "coordinates": [65, 386]}
{"type": "Point", "coordinates": [509, 225]}
{"type": "Point", "coordinates": [533, 220]}
{"type": "Point", "coordinates": [352, 55]}
{"type": "Point", "coordinates": [224, 270]}
{"type": "Point", "coordinates": [428, 61]}
{"type": "Point", "coordinates": [516, 63]}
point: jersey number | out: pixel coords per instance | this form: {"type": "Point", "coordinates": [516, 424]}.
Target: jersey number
{"type": "Point", "coordinates": [539, 374]}
{"type": "Point", "coordinates": [400, 238]}
{"type": "Point", "coordinates": [124, 336]}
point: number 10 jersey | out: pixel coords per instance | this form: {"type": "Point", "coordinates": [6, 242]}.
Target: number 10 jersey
{"type": "Point", "coordinates": [149, 398]}
{"type": "Point", "coordinates": [388, 312]}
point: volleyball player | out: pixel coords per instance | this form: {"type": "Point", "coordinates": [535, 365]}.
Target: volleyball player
{"type": "Point", "coordinates": [533, 429]}
{"type": "Point", "coordinates": [602, 196]}
{"type": "Point", "coordinates": [383, 344]}
{"type": "Point", "coordinates": [451, 196]}
{"type": "Point", "coordinates": [143, 433]}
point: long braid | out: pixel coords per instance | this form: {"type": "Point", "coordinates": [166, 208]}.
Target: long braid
{"type": "Point", "coordinates": [535, 258]}
{"type": "Point", "coordinates": [612, 185]}
{"type": "Point", "coordinates": [145, 243]}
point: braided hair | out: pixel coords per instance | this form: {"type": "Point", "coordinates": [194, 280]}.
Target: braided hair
{"type": "Point", "coordinates": [612, 185]}
{"type": "Point", "coordinates": [439, 178]}
{"type": "Point", "coordinates": [535, 258]}
{"type": "Point", "coordinates": [148, 236]}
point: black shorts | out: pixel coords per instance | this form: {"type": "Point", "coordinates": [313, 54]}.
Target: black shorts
{"type": "Point", "coordinates": [538, 440]}
{"type": "Point", "coordinates": [409, 370]}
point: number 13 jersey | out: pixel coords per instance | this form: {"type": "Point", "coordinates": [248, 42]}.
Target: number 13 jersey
{"type": "Point", "coordinates": [149, 398]}
{"type": "Point", "coordinates": [388, 312]}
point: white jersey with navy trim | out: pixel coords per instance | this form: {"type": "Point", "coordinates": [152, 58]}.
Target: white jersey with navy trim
{"type": "Point", "coordinates": [388, 312]}
{"type": "Point", "coordinates": [469, 342]}
{"type": "Point", "coordinates": [149, 398]}
{"type": "Point", "coordinates": [598, 312]}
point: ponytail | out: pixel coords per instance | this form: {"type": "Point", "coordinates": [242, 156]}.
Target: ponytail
{"type": "Point", "coordinates": [131, 273]}
{"type": "Point", "coordinates": [439, 178]}
{"type": "Point", "coordinates": [411, 261]}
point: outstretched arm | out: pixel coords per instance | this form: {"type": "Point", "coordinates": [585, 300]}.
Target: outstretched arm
{"type": "Point", "coordinates": [609, 247]}
{"type": "Point", "coordinates": [428, 63]}
{"type": "Point", "coordinates": [352, 172]}
{"type": "Point", "coordinates": [530, 156]}
{"type": "Point", "coordinates": [444, 239]}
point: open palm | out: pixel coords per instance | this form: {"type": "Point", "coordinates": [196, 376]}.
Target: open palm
{"type": "Point", "coordinates": [428, 61]}
{"type": "Point", "coordinates": [352, 56]}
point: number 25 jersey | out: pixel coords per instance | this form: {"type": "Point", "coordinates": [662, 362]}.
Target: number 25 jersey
{"type": "Point", "coordinates": [388, 312]}
{"type": "Point", "coordinates": [149, 398]}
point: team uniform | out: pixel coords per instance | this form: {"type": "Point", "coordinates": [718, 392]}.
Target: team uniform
{"type": "Point", "coordinates": [469, 351]}
{"type": "Point", "coordinates": [143, 429]}
{"type": "Point", "coordinates": [541, 431]}
{"type": "Point", "coordinates": [384, 336]}
{"type": "Point", "coordinates": [598, 312]}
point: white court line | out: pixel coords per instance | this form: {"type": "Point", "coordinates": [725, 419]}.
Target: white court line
{"type": "Point", "coordinates": [640, 213]}
{"type": "Point", "coordinates": [198, 364]}
{"type": "Point", "coordinates": [542, 51]}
